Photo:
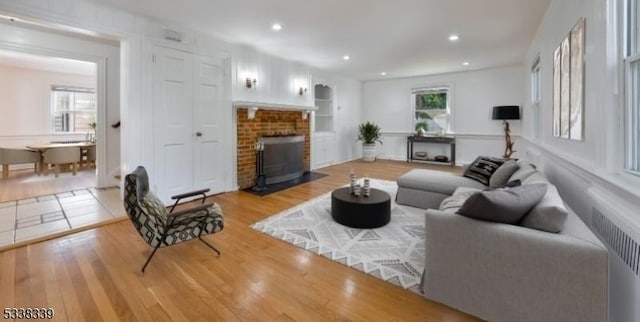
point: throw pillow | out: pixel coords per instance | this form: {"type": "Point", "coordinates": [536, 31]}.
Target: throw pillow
{"type": "Point", "coordinates": [549, 214]}
{"type": "Point", "coordinates": [506, 205]}
{"type": "Point", "coordinates": [503, 173]}
{"type": "Point", "coordinates": [453, 203]}
{"type": "Point", "coordinates": [526, 169]}
{"type": "Point", "coordinates": [482, 168]}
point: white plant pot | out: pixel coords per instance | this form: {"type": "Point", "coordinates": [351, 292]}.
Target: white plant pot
{"type": "Point", "coordinates": [368, 152]}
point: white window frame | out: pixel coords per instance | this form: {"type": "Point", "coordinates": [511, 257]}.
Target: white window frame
{"type": "Point", "coordinates": [431, 89]}
{"type": "Point", "coordinates": [536, 96]}
{"type": "Point", "coordinates": [72, 110]}
{"type": "Point", "coordinates": [632, 94]}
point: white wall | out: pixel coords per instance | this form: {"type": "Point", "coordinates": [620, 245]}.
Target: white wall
{"type": "Point", "coordinates": [473, 95]}
{"type": "Point", "coordinates": [593, 167]}
{"type": "Point", "coordinates": [25, 99]}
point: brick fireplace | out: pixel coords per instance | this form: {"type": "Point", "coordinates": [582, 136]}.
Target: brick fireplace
{"type": "Point", "coordinates": [266, 123]}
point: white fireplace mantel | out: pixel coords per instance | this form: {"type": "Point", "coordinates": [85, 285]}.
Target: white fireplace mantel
{"type": "Point", "coordinates": [252, 107]}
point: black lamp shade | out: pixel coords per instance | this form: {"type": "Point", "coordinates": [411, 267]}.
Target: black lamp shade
{"type": "Point", "coordinates": [507, 112]}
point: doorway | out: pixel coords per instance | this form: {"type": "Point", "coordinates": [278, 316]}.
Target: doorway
{"type": "Point", "coordinates": [46, 101]}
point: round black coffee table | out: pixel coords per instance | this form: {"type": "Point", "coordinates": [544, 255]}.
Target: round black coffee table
{"type": "Point", "coordinates": [361, 212]}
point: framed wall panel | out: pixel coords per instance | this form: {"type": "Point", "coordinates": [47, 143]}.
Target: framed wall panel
{"type": "Point", "coordinates": [568, 85]}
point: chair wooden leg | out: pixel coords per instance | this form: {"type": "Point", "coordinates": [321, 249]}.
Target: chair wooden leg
{"type": "Point", "coordinates": [57, 169]}
{"type": "Point", "coordinates": [5, 171]}
{"type": "Point", "coordinates": [35, 168]}
{"type": "Point", "coordinates": [75, 167]}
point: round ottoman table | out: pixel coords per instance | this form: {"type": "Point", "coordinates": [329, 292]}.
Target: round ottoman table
{"type": "Point", "coordinates": [359, 211]}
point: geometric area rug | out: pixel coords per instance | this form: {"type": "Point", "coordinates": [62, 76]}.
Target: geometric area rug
{"type": "Point", "coordinates": [393, 253]}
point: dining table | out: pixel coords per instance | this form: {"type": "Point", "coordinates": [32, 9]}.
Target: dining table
{"type": "Point", "coordinates": [41, 148]}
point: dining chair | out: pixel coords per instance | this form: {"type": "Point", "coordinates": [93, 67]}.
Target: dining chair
{"type": "Point", "coordinates": [17, 156]}
{"type": "Point", "coordinates": [59, 157]}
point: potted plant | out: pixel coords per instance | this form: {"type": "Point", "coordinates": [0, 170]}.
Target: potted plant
{"type": "Point", "coordinates": [369, 134]}
{"type": "Point", "coordinates": [92, 136]}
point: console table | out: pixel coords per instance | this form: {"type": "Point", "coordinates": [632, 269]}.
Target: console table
{"type": "Point", "coordinates": [432, 139]}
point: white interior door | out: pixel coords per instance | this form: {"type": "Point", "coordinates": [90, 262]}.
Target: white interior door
{"type": "Point", "coordinates": [173, 122]}
{"type": "Point", "coordinates": [209, 119]}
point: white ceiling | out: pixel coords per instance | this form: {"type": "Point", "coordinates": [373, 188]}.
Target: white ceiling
{"type": "Point", "coordinates": [400, 37]}
{"type": "Point", "coordinates": [46, 63]}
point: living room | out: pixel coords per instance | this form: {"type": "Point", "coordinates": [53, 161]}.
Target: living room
{"type": "Point", "coordinates": [594, 174]}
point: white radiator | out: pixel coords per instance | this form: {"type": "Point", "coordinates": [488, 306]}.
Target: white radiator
{"type": "Point", "coordinates": [617, 224]}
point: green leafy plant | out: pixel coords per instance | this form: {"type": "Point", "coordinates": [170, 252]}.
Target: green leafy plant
{"type": "Point", "coordinates": [369, 133]}
{"type": "Point", "coordinates": [422, 125]}
{"type": "Point", "coordinates": [92, 125]}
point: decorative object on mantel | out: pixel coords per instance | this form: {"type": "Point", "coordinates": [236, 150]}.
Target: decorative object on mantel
{"type": "Point", "coordinates": [369, 134]}
{"type": "Point", "coordinates": [504, 113]}
{"type": "Point", "coordinates": [568, 85]}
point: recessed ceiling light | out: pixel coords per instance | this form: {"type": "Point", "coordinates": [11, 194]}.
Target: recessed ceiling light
{"type": "Point", "coordinates": [383, 73]}
{"type": "Point", "coordinates": [276, 27]}
{"type": "Point", "coordinates": [454, 38]}
{"type": "Point", "coordinates": [466, 63]}
{"type": "Point", "coordinates": [346, 57]}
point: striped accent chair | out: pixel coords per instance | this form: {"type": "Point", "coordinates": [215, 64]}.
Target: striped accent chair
{"type": "Point", "coordinates": [160, 227]}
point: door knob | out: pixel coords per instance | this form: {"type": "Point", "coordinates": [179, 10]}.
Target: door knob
{"type": "Point", "coordinates": [198, 134]}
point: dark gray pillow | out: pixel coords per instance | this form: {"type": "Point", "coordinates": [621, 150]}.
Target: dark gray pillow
{"type": "Point", "coordinates": [503, 173]}
{"type": "Point", "coordinates": [483, 168]}
{"type": "Point", "coordinates": [506, 205]}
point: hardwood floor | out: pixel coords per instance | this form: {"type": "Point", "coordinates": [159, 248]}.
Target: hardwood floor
{"type": "Point", "coordinates": [95, 275]}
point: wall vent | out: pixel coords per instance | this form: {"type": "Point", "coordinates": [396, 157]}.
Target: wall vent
{"type": "Point", "coordinates": [620, 242]}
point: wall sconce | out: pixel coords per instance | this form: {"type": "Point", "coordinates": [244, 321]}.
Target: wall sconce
{"type": "Point", "coordinates": [251, 112]}
{"type": "Point", "coordinates": [302, 91]}
{"type": "Point", "coordinates": [251, 83]}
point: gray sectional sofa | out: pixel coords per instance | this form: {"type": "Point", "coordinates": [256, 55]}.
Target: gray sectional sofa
{"type": "Point", "coordinates": [507, 272]}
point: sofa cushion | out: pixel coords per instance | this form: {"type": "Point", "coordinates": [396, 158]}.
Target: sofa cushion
{"type": "Point", "coordinates": [506, 205]}
{"type": "Point", "coordinates": [483, 168]}
{"type": "Point", "coordinates": [549, 214]}
{"type": "Point", "coordinates": [526, 169]}
{"type": "Point", "coordinates": [454, 203]}
{"type": "Point", "coordinates": [503, 173]}
{"type": "Point", "coordinates": [436, 181]}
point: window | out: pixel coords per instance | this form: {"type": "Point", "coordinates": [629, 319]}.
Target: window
{"type": "Point", "coordinates": [632, 70]}
{"type": "Point", "coordinates": [536, 97]}
{"type": "Point", "coordinates": [431, 109]}
{"type": "Point", "coordinates": [73, 109]}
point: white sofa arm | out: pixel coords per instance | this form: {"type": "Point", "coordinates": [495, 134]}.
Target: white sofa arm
{"type": "Point", "coordinates": [503, 272]}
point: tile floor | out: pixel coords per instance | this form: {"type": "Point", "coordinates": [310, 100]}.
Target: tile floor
{"type": "Point", "coordinates": [27, 219]}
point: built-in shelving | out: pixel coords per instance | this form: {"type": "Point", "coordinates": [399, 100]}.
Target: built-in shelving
{"type": "Point", "coordinates": [324, 100]}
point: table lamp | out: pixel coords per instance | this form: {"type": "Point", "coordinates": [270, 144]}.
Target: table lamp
{"type": "Point", "coordinates": [504, 113]}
